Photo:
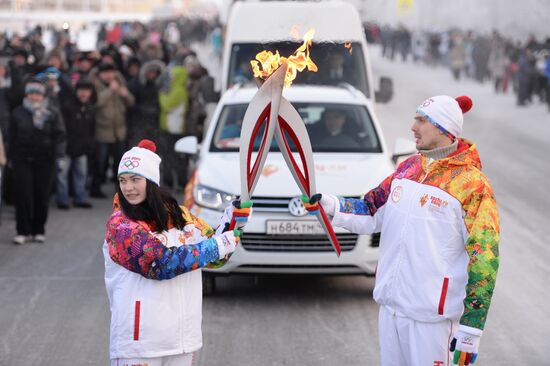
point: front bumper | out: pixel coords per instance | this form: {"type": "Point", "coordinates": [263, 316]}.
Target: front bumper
{"type": "Point", "coordinates": [360, 260]}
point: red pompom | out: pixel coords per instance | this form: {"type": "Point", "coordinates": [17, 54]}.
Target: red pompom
{"type": "Point", "coordinates": [465, 103]}
{"type": "Point", "coordinates": [148, 144]}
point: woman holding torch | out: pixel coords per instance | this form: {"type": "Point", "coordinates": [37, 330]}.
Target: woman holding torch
{"type": "Point", "coordinates": [153, 251]}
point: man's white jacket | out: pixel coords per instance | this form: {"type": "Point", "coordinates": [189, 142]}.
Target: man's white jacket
{"type": "Point", "coordinates": [439, 238]}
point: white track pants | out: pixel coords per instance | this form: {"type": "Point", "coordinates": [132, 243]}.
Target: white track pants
{"type": "Point", "coordinates": [407, 342]}
{"type": "Point", "coordinates": [184, 359]}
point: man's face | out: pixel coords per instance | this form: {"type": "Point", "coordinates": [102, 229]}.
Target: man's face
{"type": "Point", "coordinates": [107, 76]}
{"type": "Point", "coordinates": [152, 75]}
{"type": "Point", "coordinates": [84, 65]}
{"type": "Point", "coordinates": [133, 70]}
{"type": "Point", "coordinates": [427, 136]}
{"type": "Point", "coordinates": [35, 98]}
{"type": "Point", "coordinates": [84, 95]}
{"type": "Point", "coordinates": [334, 121]}
{"type": "Point", "coordinates": [20, 60]}
{"type": "Point", "coordinates": [55, 62]}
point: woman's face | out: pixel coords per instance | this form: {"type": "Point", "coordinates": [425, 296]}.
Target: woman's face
{"type": "Point", "coordinates": [133, 187]}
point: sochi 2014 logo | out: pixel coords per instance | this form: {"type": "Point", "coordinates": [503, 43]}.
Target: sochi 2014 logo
{"type": "Point", "coordinates": [397, 194]}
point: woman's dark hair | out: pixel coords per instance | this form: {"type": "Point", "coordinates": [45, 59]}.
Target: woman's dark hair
{"type": "Point", "coordinates": [159, 207]}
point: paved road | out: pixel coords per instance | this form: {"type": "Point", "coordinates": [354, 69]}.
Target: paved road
{"type": "Point", "coordinates": [53, 305]}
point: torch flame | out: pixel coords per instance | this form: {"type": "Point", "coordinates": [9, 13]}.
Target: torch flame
{"type": "Point", "coordinates": [266, 62]}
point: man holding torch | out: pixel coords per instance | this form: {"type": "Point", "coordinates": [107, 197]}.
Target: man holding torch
{"type": "Point", "coordinates": [439, 245]}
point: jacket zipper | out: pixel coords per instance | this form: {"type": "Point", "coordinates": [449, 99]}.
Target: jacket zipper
{"type": "Point", "coordinates": [400, 254]}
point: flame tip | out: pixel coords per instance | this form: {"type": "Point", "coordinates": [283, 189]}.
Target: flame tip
{"type": "Point", "coordinates": [267, 62]}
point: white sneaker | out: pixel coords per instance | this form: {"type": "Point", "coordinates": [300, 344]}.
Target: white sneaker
{"type": "Point", "coordinates": [40, 238]}
{"type": "Point", "coordinates": [19, 239]}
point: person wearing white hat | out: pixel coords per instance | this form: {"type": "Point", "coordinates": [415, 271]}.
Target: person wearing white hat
{"type": "Point", "coordinates": [154, 250]}
{"type": "Point", "coordinates": [439, 242]}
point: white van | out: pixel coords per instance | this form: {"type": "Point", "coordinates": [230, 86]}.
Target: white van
{"type": "Point", "coordinates": [339, 44]}
{"type": "Point", "coordinates": [281, 237]}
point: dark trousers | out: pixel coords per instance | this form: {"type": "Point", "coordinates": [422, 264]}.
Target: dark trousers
{"type": "Point", "coordinates": [33, 185]}
{"type": "Point", "coordinates": [173, 164]}
{"type": "Point", "coordinates": [104, 151]}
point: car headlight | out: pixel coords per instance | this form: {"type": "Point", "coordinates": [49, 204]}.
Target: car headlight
{"type": "Point", "coordinates": [212, 198]}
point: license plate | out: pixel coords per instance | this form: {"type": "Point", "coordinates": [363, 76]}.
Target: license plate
{"type": "Point", "coordinates": [294, 227]}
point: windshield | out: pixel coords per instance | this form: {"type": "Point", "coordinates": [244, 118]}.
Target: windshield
{"type": "Point", "coordinates": [331, 128]}
{"type": "Point", "coordinates": [336, 63]}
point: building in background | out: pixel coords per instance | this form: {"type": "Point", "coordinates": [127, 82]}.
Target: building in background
{"type": "Point", "coordinates": [21, 15]}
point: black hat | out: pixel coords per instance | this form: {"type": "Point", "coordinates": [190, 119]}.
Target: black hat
{"type": "Point", "coordinates": [133, 61]}
{"type": "Point", "coordinates": [84, 84]}
{"type": "Point", "coordinates": [86, 55]}
{"type": "Point", "coordinates": [21, 52]}
{"type": "Point", "coordinates": [106, 67]}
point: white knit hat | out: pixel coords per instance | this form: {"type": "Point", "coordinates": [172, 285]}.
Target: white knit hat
{"type": "Point", "coordinates": [142, 160]}
{"type": "Point", "coordinates": [446, 113]}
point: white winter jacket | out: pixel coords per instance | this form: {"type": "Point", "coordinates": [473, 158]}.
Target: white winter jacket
{"type": "Point", "coordinates": [439, 238]}
{"type": "Point", "coordinates": [151, 317]}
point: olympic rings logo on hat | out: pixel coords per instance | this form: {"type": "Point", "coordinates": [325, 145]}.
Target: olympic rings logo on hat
{"type": "Point", "coordinates": [131, 164]}
{"type": "Point", "coordinates": [427, 102]}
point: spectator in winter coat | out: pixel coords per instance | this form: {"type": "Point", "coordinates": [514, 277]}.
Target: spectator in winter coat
{"type": "Point", "coordinates": [5, 85]}
{"type": "Point", "coordinates": [84, 63]}
{"type": "Point", "coordinates": [79, 117]}
{"type": "Point", "coordinates": [5, 112]}
{"type": "Point", "coordinates": [132, 68]}
{"type": "Point", "coordinates": [37, 139]}
{"type": "Point", "coordinates": [113, 100]}
{"type": "Point", "coordinates": [547, 74]}
{"type": "Point", "coordinates": [174, 102]}
{"type": "Point", "coordinates": [457, 57]}
{"type": "Point", "coordinates": [143, 117]}
{"type": "Point", "coordinates": [196, 113]}
{"type": "Point", "coordinates": [525, 76]}
{"type": "Point", "coordinates": [19, 71]}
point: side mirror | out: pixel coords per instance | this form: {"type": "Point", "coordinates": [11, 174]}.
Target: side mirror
{"type": "Point", "coordinates": [385, 92]}
{"type": "Point", "coordinates": [401, 148]}
{"type": "Point", "coordinates": [187, 145]}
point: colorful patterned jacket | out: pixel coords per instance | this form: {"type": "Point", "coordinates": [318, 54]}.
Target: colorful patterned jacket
{"type": "Point", "coordinates": [440, 235]}
{"type": "Point", "coordinates": [152, 318]}
{"type": "Point", "coordinates": [134, 246]}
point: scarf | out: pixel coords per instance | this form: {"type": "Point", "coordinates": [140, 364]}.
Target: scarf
{"type": "Point", "coordinates": [440, 152]}
{"type": "Point", "coordinates": [40, 112]}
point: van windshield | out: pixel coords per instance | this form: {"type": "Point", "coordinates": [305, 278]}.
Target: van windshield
{"type": "Point", "coordinates": [331, 128]}
{"type": "Point", "coordinates": [337, 64]}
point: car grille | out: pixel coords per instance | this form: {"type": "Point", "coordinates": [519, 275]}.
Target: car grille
{"type": "Point", "coordinates": [273, 204]}
{"type": "Point", "coordinates": [270, 204]}
{"type": "Point", "coordinates": [295, 243]}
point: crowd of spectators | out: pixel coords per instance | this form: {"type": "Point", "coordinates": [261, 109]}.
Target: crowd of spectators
{"type": "Point", "coordinates": [68, 114]}
{"type": "Point", "coordinates": [522, 67]}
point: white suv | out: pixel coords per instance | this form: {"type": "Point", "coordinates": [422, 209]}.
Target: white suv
{"type": "Point", "coordinates": [350, 158]}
